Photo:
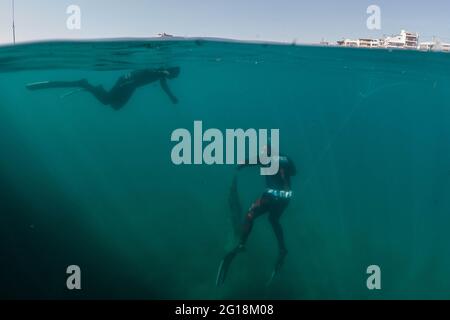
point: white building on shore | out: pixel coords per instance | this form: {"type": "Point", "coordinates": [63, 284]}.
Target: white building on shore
{"type": "Point", "coordinates": [426, 46]}
{"type": "Point", "coordinates": [411, 40]}
{"type": "Point", "coordinates": [362, 43]}
{"type": "Point", "coordinates": [435, 45]}
{"type": "Point", "coordinates": [405, 40]}
{"type": "Point", "coordinates": [370, 43]}
{"type": "Point", "coordinates": [349, 43]}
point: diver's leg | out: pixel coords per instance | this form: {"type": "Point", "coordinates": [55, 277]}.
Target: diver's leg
{"type": "Point", "coordinates": [97, 91]}
{"type": "Point", "coordinates": [114, 98]}
{"type": "Point", "coordinates": [259, 207]}
{"type": "Point", "coordinates": [274, 218]}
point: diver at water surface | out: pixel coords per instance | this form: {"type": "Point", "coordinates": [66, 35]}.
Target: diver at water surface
{"type": "Point", "coordinates": [273, 201]}
{"type": "Point", "coordinates": [124, 88]}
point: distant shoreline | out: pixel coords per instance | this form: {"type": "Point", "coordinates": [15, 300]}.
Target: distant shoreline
{"type": "Point", "coordinates": [205, 39]}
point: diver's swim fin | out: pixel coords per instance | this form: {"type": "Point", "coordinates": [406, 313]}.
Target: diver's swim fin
{"type": "Point", "coordinates": [235, 208]}
{"type": "Point", "coordinates": [224, 266]}
{"type": "Point", "coordinates": [277, 268]}
{"type": "Point", "coordinates": [53, 84]}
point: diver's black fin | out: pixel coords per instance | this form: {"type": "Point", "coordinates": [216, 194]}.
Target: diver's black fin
{"type": "Point", "coordinates": [53, 84]}
{"type": "Point", "coordinates": [235, 208]}
{"type": "Point", "coordinates": [277, 268]}
{"type": "Point", "coordinates": [223, 268]}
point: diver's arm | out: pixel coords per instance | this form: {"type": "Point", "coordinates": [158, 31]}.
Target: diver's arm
{"type": "Point", "coordinates": [166, 89]}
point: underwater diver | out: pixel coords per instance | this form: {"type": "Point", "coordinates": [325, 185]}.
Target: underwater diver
{"type": "Point", "coordinates": [124, 88]}
{"type": "Point", "coordinates": [273, 201]}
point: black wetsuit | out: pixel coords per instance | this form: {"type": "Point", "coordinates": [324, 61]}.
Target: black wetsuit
{"type": "Point", "coordinates": [125, 86]}
{"type": "Point", "coordinates": [123, 89]}
{"type": "Point", "coordinates": [274, 201]}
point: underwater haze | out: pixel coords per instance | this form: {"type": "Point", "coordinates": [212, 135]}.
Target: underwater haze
{"type": "Point", "coordinates": [82, 184]}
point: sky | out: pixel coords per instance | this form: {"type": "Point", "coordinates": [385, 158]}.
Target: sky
{"type": "Point", "coordinates": [265, 20]}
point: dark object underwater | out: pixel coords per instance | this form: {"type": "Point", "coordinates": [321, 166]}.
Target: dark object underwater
{"type": "Point", "coordinates": [124, 88]}
{"type": "Point", "coordinates": [234, 202]}
{"type": "Point", "coordinates": [224, 266]}
{"type": "Point", "coordinates": [236, 221]}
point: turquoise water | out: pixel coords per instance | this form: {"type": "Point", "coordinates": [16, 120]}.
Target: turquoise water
{"type": "Point", "coordinates": [83, 184]}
